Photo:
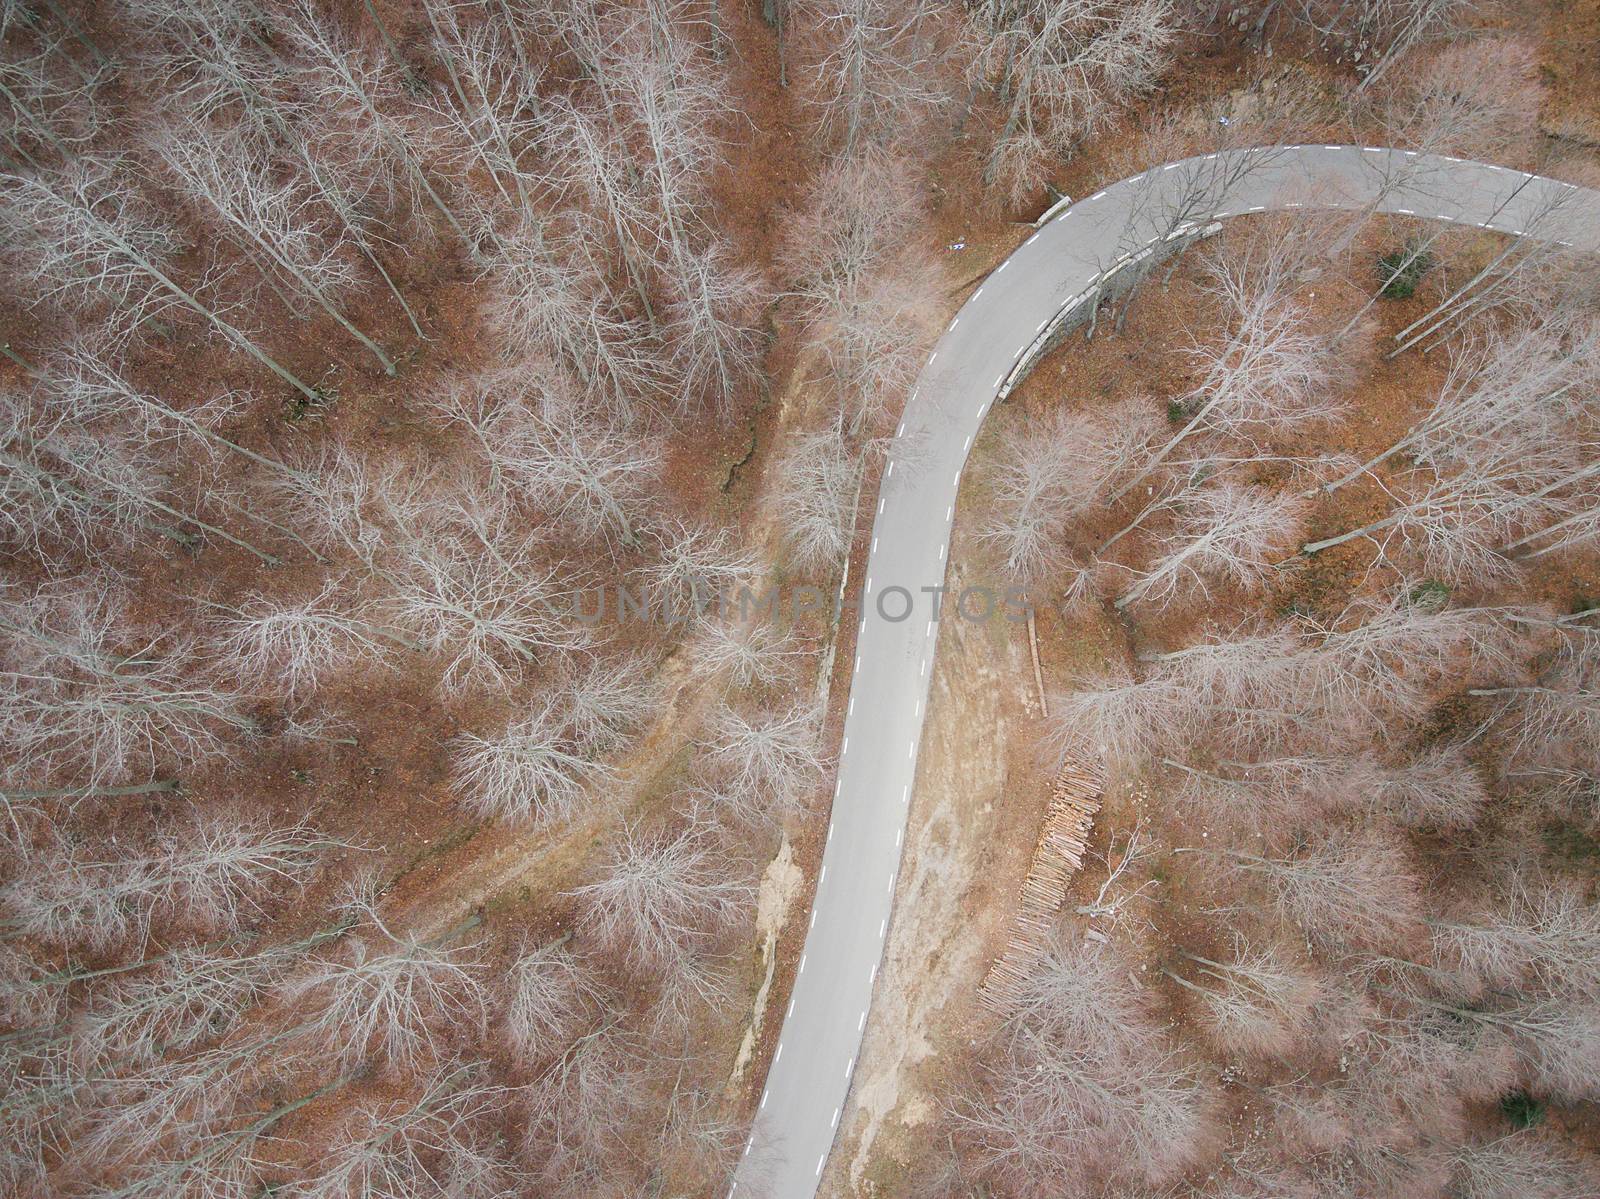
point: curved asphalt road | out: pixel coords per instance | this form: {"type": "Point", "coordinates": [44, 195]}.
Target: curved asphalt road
{"type": "Point", "coordinates": [821, 1036]}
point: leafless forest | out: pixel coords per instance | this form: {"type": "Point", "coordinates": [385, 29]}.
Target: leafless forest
{"type": "Point", "coordinates": [353, 347]}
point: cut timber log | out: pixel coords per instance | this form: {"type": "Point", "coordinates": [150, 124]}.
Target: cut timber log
{"type": "Point", "coordinates": [1057, 856]}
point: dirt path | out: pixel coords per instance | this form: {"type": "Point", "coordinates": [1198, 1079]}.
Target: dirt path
{"type": "Point", "coordinates": [434, 895]}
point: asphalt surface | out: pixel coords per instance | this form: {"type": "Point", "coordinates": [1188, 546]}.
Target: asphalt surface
{"type": "Point", "coordinates": [809, 1081]}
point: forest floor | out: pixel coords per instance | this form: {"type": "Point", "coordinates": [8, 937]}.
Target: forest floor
{"type": "Point", "coordinates": [1571, 69]}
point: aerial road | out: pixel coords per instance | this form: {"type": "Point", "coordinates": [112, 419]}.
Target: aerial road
{"type": "Point", "coordinates": [980, 356]}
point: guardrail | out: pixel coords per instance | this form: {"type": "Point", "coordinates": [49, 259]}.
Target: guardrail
{"type": "Point", "coordinates": [1075, 308]}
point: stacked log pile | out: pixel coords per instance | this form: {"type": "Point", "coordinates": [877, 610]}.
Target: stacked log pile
{"type": "Point", "coordinates": [1057, 856]}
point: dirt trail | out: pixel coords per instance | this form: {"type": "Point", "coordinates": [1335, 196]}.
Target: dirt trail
{"type": "Point", "coordinates": [432, 897]}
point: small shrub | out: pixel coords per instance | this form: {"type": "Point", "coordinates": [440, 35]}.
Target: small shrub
{"type": "Point", "coordinates": [1430, 594]}
{"type": "Point", "coordinates": [1571, 845]}
{"type": "Point", "coordinates": [1521, 1109]}
{"type": "Point", "coordinates": [1401, 271]}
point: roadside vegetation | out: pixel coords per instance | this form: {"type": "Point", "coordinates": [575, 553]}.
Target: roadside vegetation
{"type": "Point", "coordinates": [1337, 527]}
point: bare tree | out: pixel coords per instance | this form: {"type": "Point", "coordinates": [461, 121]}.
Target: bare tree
{"type": "Point", "coordinates": [1511, 279]}
{"type": "Point", "coordinates": [1459, 516]}
{"type": "Point", "coordinates": [1255, 1004]}
{"type": "Point", "coordinates": [388, 994]}
{"type": "Point", "coordinates": [609, 698]}
{"type": "Point", "coordinates": [1553, 1038]}
{"type": "Point", "coordinates": [850, 227]}
{"type": "Point", "coordinates": [591, 159]}
{"type": "Point", "coordinates": [820, 482]}
{"type": "Point", "coordinates": [1112, 713]}
{"type": "Point", "coordinates": [348, 502]}
{"type": "Point", "coordinates": [549, 300]}
{"type": "Point", "coordinates": [1576, 531]}
{"type": "Point", "coordinates": [462, 580]}
{"type": "Point", "coordinates": [435, 1141]}
{"type": "Point", "coordinates": [875, 341]}
{"type": "Point", "coordinates": [1269, 798]}
{"type": "Point", "coordinates": [1082, 1078]}
{"type": "Point", "coordinates": [96, 391]}
{"type": "Point", "coordinates": [1439, 789]}
{"type": "Point", "coordinates": [1062, 70]}
{"type": "Point", "coordinates": [1493, 468]}
{"type": "Point", "coordinates": [1520, 1164]}
{"type": "Point", "coordinates": [1553, 719]}
{"type": "Point", "coordinates": [176, 1002]}
{"type": "Point", "coordinates": [1224, 532]}
{"type": "Point", "coordinates": [50, 116]}
{"type": "Point", "coordinates": [1545, 937]}
{"type": "Point", "coordinates": [1127, 856]}
{"type": "Point", "coordinates": [1247, 691]}
{"type": "Point", "coordinates": [216, 63]}
{"type": "Point", "coordinates": [84, 231]}
{"type": "Point", "coordinates": [861, 289]}
{"type": "Point", "coordinates": [1059, 469]}
{"type": "Point", "coordinates": [879, 67]}
{"type": "Point", "coordinates": [593, 470]}
{"type": "Point", "coordinates": [756, 654]}
{"type": "Point", "coordinates": [1185, 164]}
{"type": "Point", "coordinates": [91, 701]}
{"type": "Point", "coordinates": [273, 222]}
{"type": "Point", "coordinates": [553, 996]}
{"type": "Point", "coordinates": [1348, 889]}
{"type": "Point", "coordinates": [698, 1138]}
{"type": "Point", "coordinates": [1370, 666]}
{"type": "Point", "coordinates": [183, 1128]}
{"type": "Point", "coordinates": [295, 645]}
{"type": "Point", "coordinates": [494, 102]}
{"type": "Point", "coordinates": [1272, 372]}
{"type": "Point", "coordinates": [582, 1109]}
{"type": "Point", "coordinates": [213, 874]}
{"type": "Point", "coordinates": [535, 773]}
{"type": "Point", "coordinates": [1381, 655]}
{"type": "Point", "coordinates": [67, 480]}
{"type": "Point", "coordinates": [643, 157]}
{"type": "Point", "coordinates": [712, 310]}
{"type": "Point", "coordinates": [671, 101]}
{"type": "Point", "coordinates": [1513, 385]}
{"type": "Point", "coordinates": [661, 899]}
{"type": "Point", "coordinates": [1373, 664]}
{"type": "Point", "coordinates": [1474, 98]}
{"type": "Point", "coordinates": [1380, 32]}
{"type": "Point", "coordinates": [364, 139]}
{"type": "Point", "coordinates": [698, 567]}
{"type": "Point", "coordinates": [776, 753]}
{"type": "Point", "coordinates": [482, 602]}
